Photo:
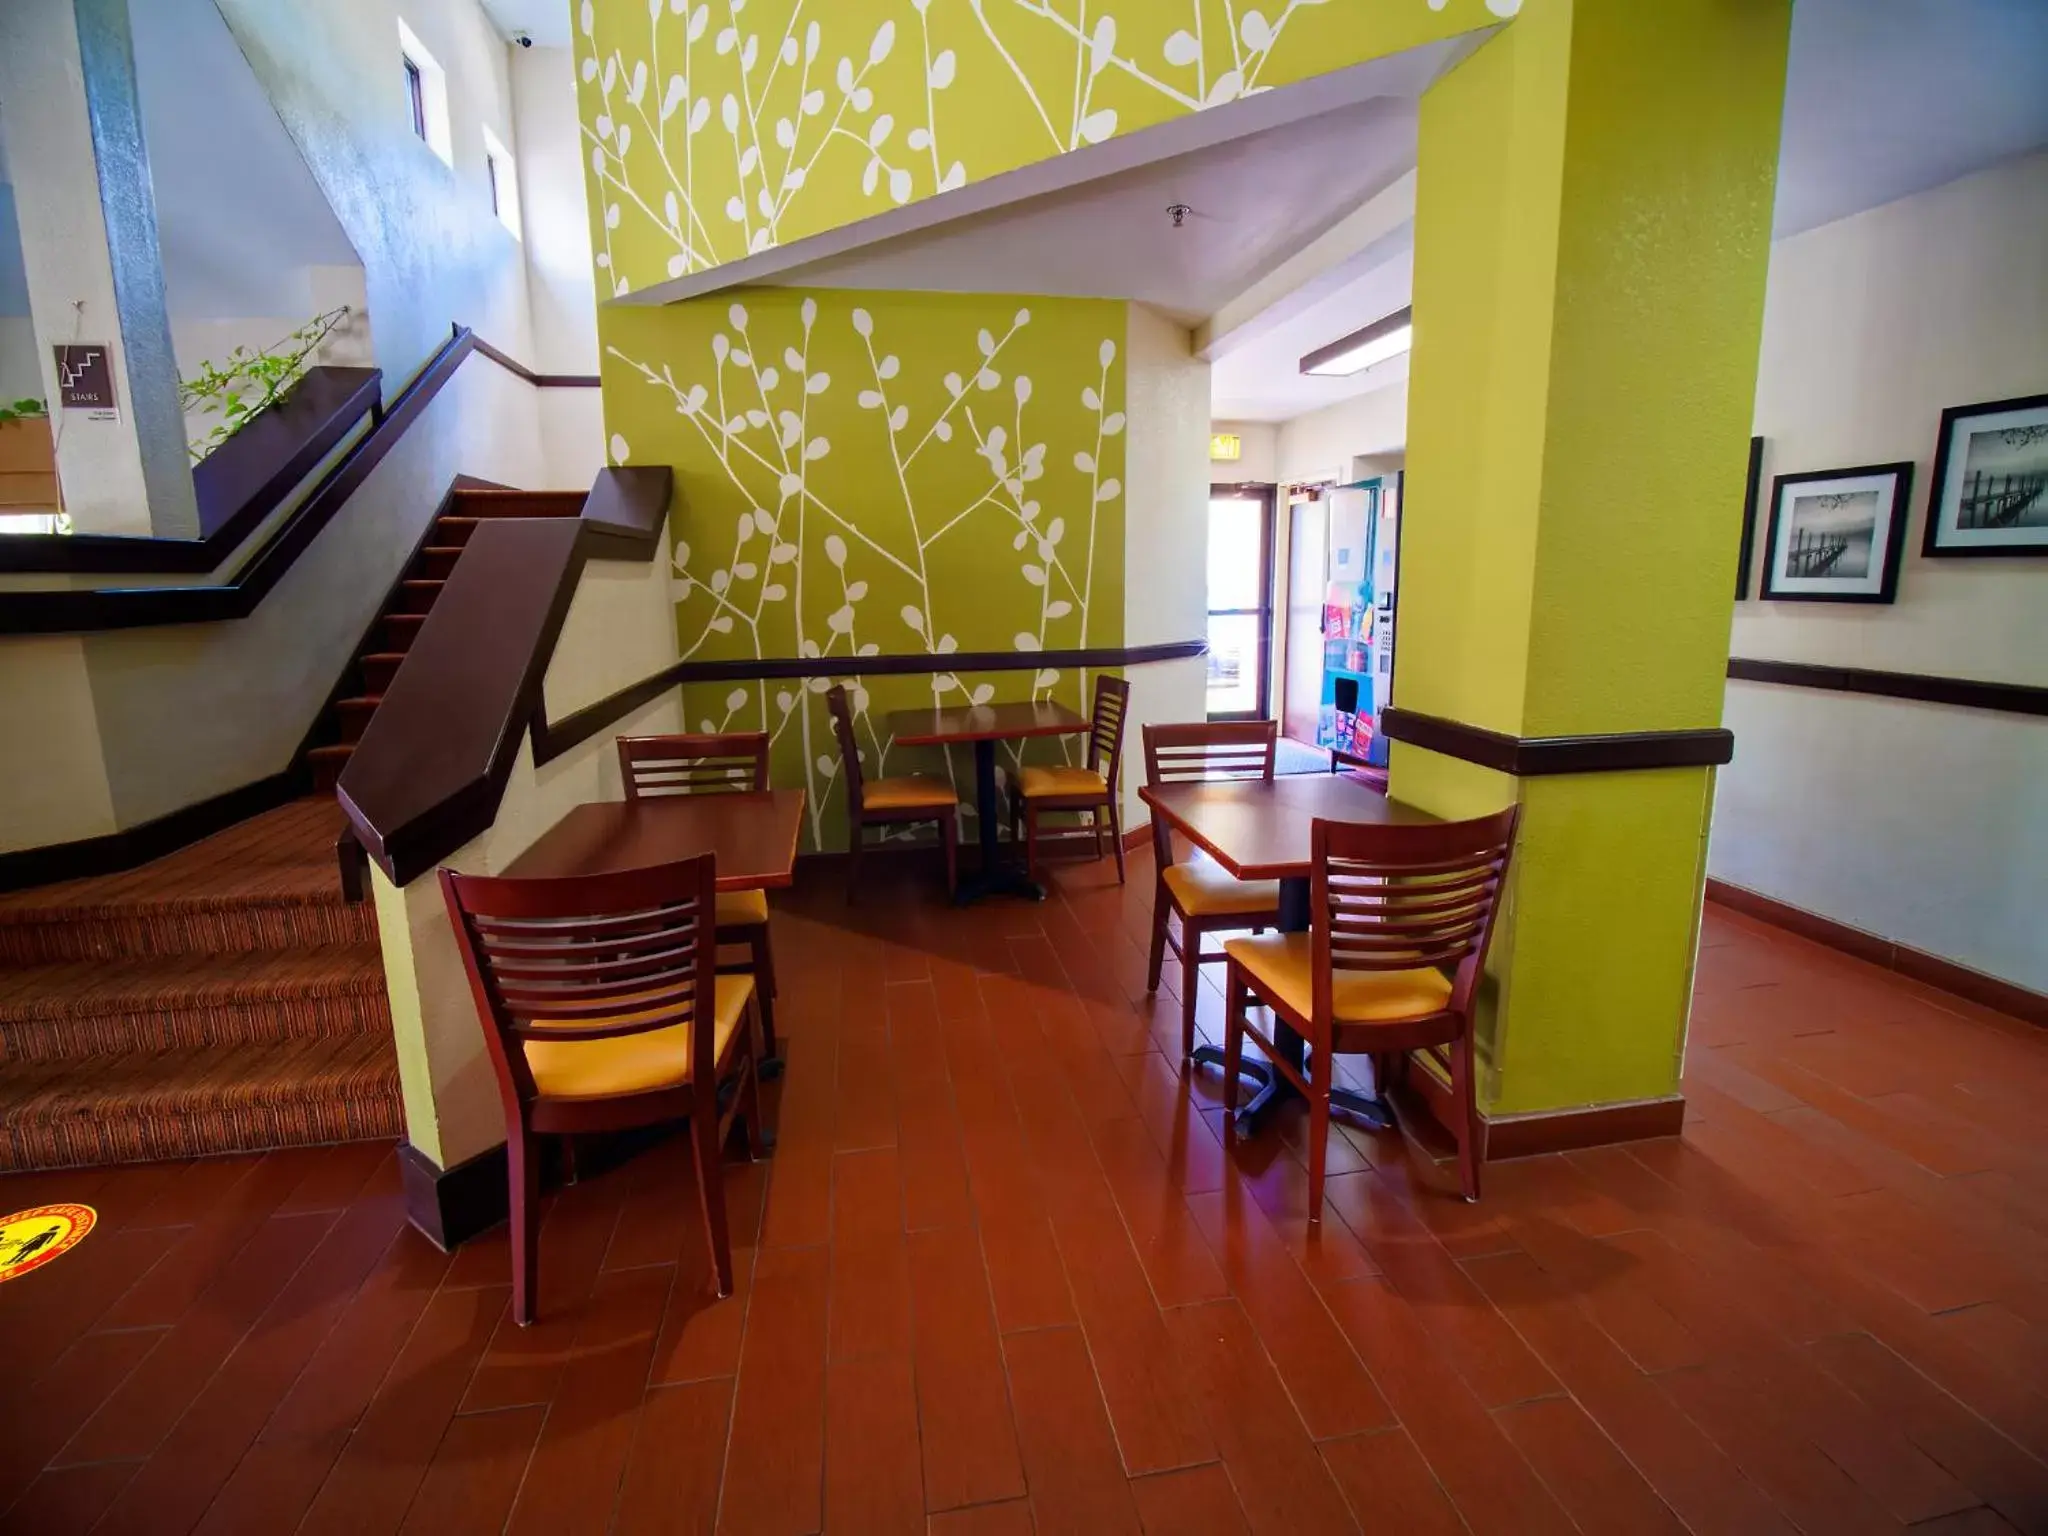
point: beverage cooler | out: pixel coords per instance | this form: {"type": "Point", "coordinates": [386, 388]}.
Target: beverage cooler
{"type": "Point", "coordinates": [1360, 544]}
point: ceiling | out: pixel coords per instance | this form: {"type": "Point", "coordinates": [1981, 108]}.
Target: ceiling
{"type": "Point", "coordinates": [545, 21]}
{"type": "Point", "coordinates": [1253, 201]}
{"type": "Point", "coordinates": [1884, 98]}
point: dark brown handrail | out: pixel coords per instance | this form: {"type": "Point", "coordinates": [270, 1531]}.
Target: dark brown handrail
{"type": "Point", "coordinates": [432, 766]}
{"type": "Point", "coordinates": [240, 486]}
{"type": "Point", "coordinates": [1921, 687]}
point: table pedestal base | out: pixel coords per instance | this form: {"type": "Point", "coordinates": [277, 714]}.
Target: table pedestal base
{"type": "Point", "coordinates": [1000, 879]}
{"type": "Point", "coordinates": [997, 876]}
{"type": "Point", "coordinates": [1274, 1089]}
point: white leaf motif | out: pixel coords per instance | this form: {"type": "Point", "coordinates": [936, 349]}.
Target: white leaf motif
{"type": "Point", "coordinates": [942, 70]}
{"type": "Point", "coordinates": [835, 549]}
{"type": "Point", "coordinates": [1256, 31]}
{"type": "Point", "coordinates": [885, 39]}
{"type": "Point", "coordinates": [1182, 49]}
{"type": "Point", "coordinates": [1035, 575]}
{"type": "Point", "coordinates": [1085, 462]}
{"type": "Point", "coordinates": [914, 617]}
{"type": "Point", "coordinates": [1097, 126]}
{"type": "Point", "coordinates": [1109, 490]}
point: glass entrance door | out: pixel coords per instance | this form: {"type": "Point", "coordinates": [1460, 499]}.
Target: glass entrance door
{"type": "Point", "coordinates": [1240, 602]}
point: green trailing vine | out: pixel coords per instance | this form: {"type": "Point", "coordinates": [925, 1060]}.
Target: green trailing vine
{"type": "Point", "coordinates": [28, 408]}
{"type": "Point", "coordinates": [246, 383]}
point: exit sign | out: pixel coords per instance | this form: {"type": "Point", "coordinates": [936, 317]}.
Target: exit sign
{"type": "Point", "coordinates": [1226, 445]}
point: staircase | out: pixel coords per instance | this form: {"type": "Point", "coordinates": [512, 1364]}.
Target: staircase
{"type": "Point", "coordinates": [221, 999]}
{"type": "Point", "coordinates": [412, 598]}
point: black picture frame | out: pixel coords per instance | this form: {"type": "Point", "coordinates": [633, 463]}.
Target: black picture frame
{"type": "Point", "coordinates": [1901, 474]}
{"type": "Point", "coordinates": [1934, 533]}
{"type": "Point", "coordinates": [1749, 489]}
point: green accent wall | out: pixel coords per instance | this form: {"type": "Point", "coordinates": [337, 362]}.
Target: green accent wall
{"type": "Point", "coordinates": [863, 473]}
{"type": "Point", "coordinates": [715, 130]}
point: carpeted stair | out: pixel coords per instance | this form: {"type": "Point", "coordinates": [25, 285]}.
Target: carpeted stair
{"type": "Point", "coordinates": [221, 999]}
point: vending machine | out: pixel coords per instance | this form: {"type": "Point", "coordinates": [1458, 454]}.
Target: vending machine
{"type": "Point", "coordinates": [1358, 618]}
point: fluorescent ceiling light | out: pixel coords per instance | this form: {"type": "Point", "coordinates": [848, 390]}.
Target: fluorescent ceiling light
{"type": "Point", "coordinates": [1361, 349]}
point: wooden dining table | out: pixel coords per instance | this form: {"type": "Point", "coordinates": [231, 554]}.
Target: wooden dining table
{"type": "Point", "coordinates": [1259, 830]}
{"type": "Point", "coordinates": [982, 726]}
{"type": "Point", "coordinates": [753, 833]}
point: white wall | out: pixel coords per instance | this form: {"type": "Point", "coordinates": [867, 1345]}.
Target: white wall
{"type": "Point", "coordinates": [1927, 826]}
{"type": "Point", "coordinates": [1166, 523]}
{"type": "Point", "coordinates": [1322, 444]}
{"type": "Point", "coordinates": [1258, 460]}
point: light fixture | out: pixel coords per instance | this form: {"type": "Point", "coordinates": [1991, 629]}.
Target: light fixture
{"type": "Point", "coordinates": [1361, 349]}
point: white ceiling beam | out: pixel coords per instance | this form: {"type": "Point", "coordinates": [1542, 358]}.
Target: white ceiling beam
{"type": "Point", "coordinates": [1379, 228]}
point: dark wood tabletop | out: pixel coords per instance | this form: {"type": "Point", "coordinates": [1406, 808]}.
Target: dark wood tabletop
{"type": "Point", "coordinates": [982, 722]}
{"type": "Point", "coordinates": [1260, 831]}
{"type": "Point", "coordinates": [754, 835]}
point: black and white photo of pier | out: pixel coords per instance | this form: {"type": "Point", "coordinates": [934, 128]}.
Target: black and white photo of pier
{"type": "Point", "coordinates": [1990, 493]}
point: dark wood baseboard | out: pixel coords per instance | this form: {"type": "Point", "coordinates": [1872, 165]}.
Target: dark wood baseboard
{"type": "Point", "coordinates": [452, 1205]}
{"type": "Point", "coordinates": [136, 845]}
{"type": "Point", "coordinates": [1565, 1130]}
{"type": "Point", "coordinates": [1931, 970]}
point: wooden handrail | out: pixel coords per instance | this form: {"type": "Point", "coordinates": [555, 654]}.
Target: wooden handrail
{"type": "Point", "coordinates": [432, 766]}
{"type": "Point", "coordinates": [239, 486]}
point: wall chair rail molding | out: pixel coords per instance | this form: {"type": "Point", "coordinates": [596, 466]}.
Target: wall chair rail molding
{"type": "Point", "coordinates": [254, 479]}
{"type": "Point", "coordinates": [1959, 692]}
{"type": "Point", "coordinates": [1536, 756]}
{"type": "Point", "coordinates": [552, 738]}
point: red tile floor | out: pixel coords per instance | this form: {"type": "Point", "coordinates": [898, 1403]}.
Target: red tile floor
{"type": "Point", "coordinates": [1002, 1276]}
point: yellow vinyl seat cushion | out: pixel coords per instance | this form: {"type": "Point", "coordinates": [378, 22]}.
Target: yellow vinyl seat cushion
{"type": "Point", "coordinates": [1059, 782]}
{"type": "Point", "coordinates": [910, 793]}
{"type": "Point", "coordinates": [741, 909]}
{"type": "Point", "coordinates": [1280, 963]}
{"type": "Point", "coordinates": [1203, 888]}
{"type": "Point", "coordinates": [622, 1064]}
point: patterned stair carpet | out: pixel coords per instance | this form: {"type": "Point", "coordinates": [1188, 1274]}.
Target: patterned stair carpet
{"type": "Point", "coordinates": [221, 999]}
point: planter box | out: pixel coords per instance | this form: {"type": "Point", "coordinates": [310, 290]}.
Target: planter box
{"type": "Point", "coordinates": [28, 465]}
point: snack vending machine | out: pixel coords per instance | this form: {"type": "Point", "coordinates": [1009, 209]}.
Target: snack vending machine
{"type": "Point", "coordinates": [1358, 619]}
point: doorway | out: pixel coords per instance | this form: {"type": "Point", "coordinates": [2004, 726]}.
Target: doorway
{"type": "Point", "coordinates": [1240, 601]}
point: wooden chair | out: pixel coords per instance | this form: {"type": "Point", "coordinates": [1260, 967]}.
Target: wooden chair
{"type": "Point", "coordinates": [1091, 788]}
{"type": "Point", "coordinates": [657, 766]}
{"type": "Point", "coordinates": [1400, 917]}
{"type": "Point", "coordinates": [910, 798]}
{"type": "Point", "coordinates": [603, 1010]}
{"type": "Point", "coordinates": [1197, 891]}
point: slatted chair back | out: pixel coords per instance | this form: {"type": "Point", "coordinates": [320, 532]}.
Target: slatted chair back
{"type": "Point", "coordinates": [655, 766]}
{"type": "Point", "coordinates": [849, 746]}
{"type": "Point", "coordinates": [1106, 734]}
{"type": "Point", "coordinates": [587, 957]}
{"type": "Point", "coordinates": [1205, 750]}
{"type": "Point", "coordinates": [1398, 898]}
{"type": "Point", "coordinates": [1210, 749]}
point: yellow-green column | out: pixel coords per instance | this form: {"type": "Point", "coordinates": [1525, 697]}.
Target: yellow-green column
{"type": "Point", "coordinates": [1591, 237]}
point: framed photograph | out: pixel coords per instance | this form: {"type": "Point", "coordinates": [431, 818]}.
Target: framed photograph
{"type": "Point", "coordinates": [1836, 535]}
{"type": "Point", "coordinates": [1749, 490]}
{"type": "Point", "coordinates": [1989, 494]}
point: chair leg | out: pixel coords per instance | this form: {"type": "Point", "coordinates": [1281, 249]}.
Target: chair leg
{"type": "Point", "coordinates": [524, 1166]}
{"type": "Point", "coordinates": [853, 842]}
{"type": "Point", "coordinates": [949, 837]}
{"type": "Point", "coordinates": [1116, 840]}
{"type": "Point", "coordinates": [1466, 1094]}
{"type": "Point", "coordinates": [1234, 1002]}
{"type": "Point", "coordinates": [1321, 1068]}
{"type": "Point", "coordinates": [1030, 841]}
{"type": "Point", "coordinates": [750, 1109]}
{"type": "Point", "coordinates": [1155, 957]}
{"type": "Point", "coordinates": [763, 961]}
{"type": "Point", "coordinates": [1016, 812]}
{"type": "Point", "coordinates": [1190, 983]}
{"type": "Point", "coordinates": [1095, 819]}
{"type": "Point", "coordinates": [711, 1186]}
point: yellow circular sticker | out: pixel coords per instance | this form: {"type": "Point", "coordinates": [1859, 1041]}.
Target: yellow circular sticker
{"type": "Point", "coordinates": [30, 1239]}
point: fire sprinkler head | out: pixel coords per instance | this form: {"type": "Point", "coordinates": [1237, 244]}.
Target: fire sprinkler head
{"type": "Point", "coordinates": [1180, 212]}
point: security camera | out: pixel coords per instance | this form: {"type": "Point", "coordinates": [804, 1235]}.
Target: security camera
{"type": "Point", "coordinates": [524, 40]}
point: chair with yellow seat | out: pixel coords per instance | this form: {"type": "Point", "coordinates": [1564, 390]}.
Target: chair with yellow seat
{"type": "Point", "coordinates": [889, 802]}
{"type": "Point", "coordinates": [654, 767]}
{"type": "Point", "coordinates": [1089, 789]}
{"type": "Point", "coordinates": [1399, 921]}
{"type": "Point", "coordinates": [1199, 895]}
{"type": "Point", "coordinates": [603, 1010]}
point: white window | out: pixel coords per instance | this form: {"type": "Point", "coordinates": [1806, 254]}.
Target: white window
{"type": "Point", "coordinates": [426, 94]}
{"type": "Point", "coordinates": [502, 176]}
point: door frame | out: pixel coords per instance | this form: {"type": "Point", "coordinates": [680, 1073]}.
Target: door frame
{"type": "Point", "coordinates": [1267, 497]}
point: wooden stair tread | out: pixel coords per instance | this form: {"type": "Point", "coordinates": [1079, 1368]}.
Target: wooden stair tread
{"type": "Point", "coordinates": [359, 701]}
{"type": "Point", "coordinates": [332, 751]}
{"type": "Point", "coordinates": [193, 1101]}
{"type": "Point", "coordinates": [285, 855]}
{"type": "Point", "coordinates": [62, 987]}
{"type": "Point", "coordinates": [393, 657]}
